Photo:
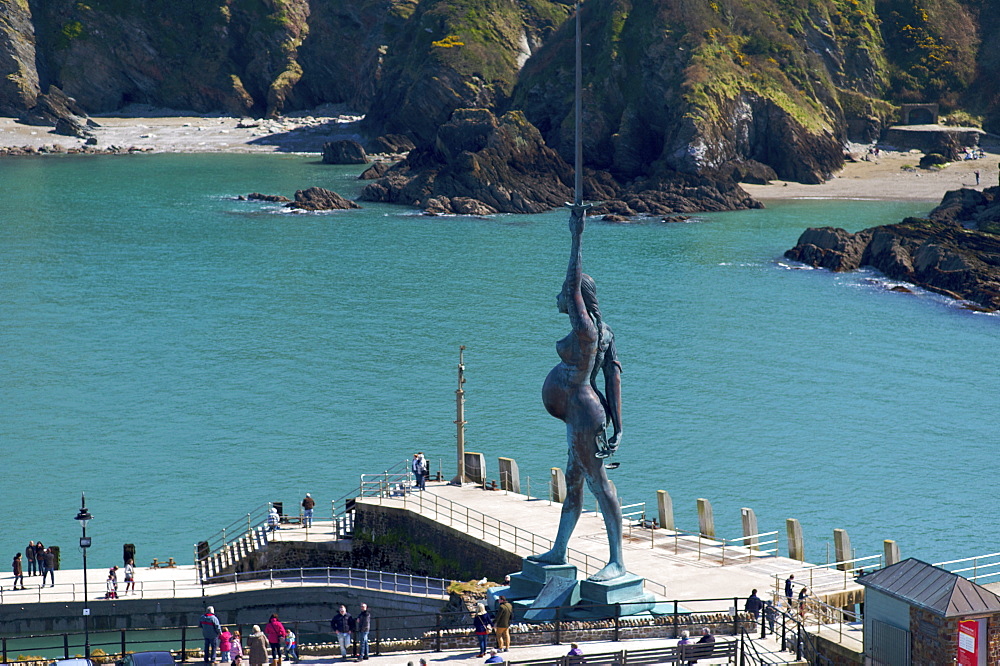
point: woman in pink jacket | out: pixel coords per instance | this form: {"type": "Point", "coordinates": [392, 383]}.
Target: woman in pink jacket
{"type": "Point", "coordinates": [275, 632]}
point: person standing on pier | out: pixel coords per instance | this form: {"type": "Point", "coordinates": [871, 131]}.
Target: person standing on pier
{"type": "Point", "coordinates": [257, 647]}
{"type": "Point", "coordinates": [29, 554]}
{"type": "Point", "coordinates": [341, 625]}
{"type": "Point", "coordinates": [307, 510]}
{"type": "Point", "coordinates": [225, 645]}
{"type": "Point", "coordinates": [210, 631]}
{"type": "Point", "coordinates": [129, 576]}
{"type": "Point", "coordinates": [363, 625]}
{"type": "Point", "coordinates": [18, 572]}
{"type": "Point", "coordinates": [753, 605]}
{"type": "Point", "coordinates": [481, 626]}
{"type": "Point", "coordinates": [788, 589]}
{"type": "Point", "coordinates": [49, 564]}
{"type": "Point", "coordinates": [502, 623]}
{"type": "Point", "coordinates": [236, 648]}
{"type": "Point", "coordinates": [419, 466]}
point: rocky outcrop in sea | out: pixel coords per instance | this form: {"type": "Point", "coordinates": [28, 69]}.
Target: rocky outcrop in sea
{"type": "Point", "coordinates": [479, 164]}
{"type": "Point", "coordinates": [955, 251]}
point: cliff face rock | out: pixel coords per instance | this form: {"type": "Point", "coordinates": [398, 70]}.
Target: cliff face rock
{"type": "Point", "coordinates": [238, 56]}
{"type": "Point", "coordinates": [18, 76]}
{"type": "Point", "coordinates": [935, 254]}
{"type": "Point", "coordinates": [456, 54]}
{"type": "Point", "coordinates": [502, 164]}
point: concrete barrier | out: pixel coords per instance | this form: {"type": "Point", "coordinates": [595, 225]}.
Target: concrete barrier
{"type": "Point", "coordinates": [749, 519]}
{"type": "Point", "coordinates": [557, 485]}
{"type": "Point", "coordinates": [706, 519]}
{"type": "Point", "coordinates": [665, 509]}
{"type": "Point", "coordinates": [510, 479]}
{"type": "Point", "coordinates": [796, 546]}
{"type": "Point", "coordinates": [842, 549]}
{"type": "Point", "coordinates": [475, 467]}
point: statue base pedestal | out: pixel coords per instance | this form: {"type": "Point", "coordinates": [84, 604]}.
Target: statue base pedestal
{"type": "Point", "coordinates": [538, 589]}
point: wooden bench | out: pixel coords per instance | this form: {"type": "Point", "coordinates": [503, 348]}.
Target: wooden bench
{"type": "Point", "coordinates": [675, 654]}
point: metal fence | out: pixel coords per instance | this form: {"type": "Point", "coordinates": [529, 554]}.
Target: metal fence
{"type": "Point", "coordinates": [388, 633]}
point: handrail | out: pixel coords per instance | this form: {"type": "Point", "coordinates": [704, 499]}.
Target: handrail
{"type": "Point", "coordinates": [976, 566]}
{"type": "Point", "coordinates": [844, 576]}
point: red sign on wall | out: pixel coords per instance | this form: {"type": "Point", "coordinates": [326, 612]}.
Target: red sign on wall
{"type": "Point", "coordinates": [968, 643]}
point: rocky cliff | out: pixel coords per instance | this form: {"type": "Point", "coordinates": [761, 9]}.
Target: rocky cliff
{"type": "Point", "coordinates": [706, 87]}
{"type": "Point", "coordinates": [955, 252]}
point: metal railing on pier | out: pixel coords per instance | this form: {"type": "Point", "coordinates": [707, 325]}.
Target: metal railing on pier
{"type": "Point", "coordinates": [235, 582]}
{"type": "Point", "coordinates": [975, 568]}
{"type": "Point", "coordinates": [408, 631]}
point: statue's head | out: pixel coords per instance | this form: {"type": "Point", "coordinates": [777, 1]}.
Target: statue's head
{"type": "Point", "coordinates": [588, 289]}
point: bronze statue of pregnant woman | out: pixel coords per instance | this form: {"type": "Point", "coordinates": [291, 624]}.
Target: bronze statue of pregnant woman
{"type": "Point", "coordinates": [570, 394]}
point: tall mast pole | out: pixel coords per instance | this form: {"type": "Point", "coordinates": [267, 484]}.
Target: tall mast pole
{"type": "Point", "coordinates": [460, 419]}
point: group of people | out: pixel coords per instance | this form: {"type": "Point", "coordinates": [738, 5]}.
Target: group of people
{"type": "Point", "coordinates": [483, 624]}
{"type": "Point", "coordinates": [224, 646]}
{"type": "Point", "coordinates": [40, 560]}
{"type": "Point", "coordinates": [112, 581]}
{"type": "Point", "coordinates": [345, 626]}
{"type": "Point", "coordinates": [707, 641]}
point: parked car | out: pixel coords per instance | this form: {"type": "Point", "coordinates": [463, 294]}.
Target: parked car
{"type": "Point", "coordinates": [77, 661]}
{"type": "Point", "coordinates": [151, 658]}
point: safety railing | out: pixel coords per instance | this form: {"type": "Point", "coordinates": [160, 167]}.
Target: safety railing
{"type": "Point", "coordinates": [974, 568]}
{"type": "Point", "coordinates": [729, 551]}
{"type": "Point", "coordinates": [389, 632]}
{"type": "Point", "coordinates": [824, 578]}
{"type": "Point", "coordinates": [233, 582]}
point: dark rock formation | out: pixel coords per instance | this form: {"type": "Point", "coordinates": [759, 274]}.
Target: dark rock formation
{"type": "Point", "coordinates": [317, 198]}
{"type": "Point", "coordinates": [344, 151]}
{"type": "Point", "coordinates": [392, 143]}
{"type": "Point", "coordinates": [501, 163]}
{"type": "Point", "coordinates": [936, 254]}
{"type": "Point", "coordinates": [375, 171]}
{"type": "Point", "coordinates": [56, 108]}
{"type": "Point", "coordinates": [274, 198]}
{"type": "Point", "coordinates": [504, 165]}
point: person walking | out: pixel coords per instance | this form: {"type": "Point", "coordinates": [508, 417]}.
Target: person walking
{"type": "Point", "coordinates": [363, 625]}
{"type": "Point", "coordinates": [18, 571]}
{"type": "Point", "coordinates": [788, 588]}
{"type": "Point", "coordinates": [753, 605]}
{"type": "Point", "coordinates": [129, 576]}
{"type": "Point", "coordinates": [341, 625]}
{"type": "Point", "coordinates": [225, 646]}
{"type": "Point", "coordinates": [482, 627]}
{"type": "Point", "coordinates": [803, 598]}
{"type": "Point", "coordinates": [501, 622]}
{"type": "Point", "coordinates": [308, 504]}
{"type": "Point", "coordinates": [275, 632]}
{"type": "Point", "coordinates": [29, 554]}
{"type": "Point", "coordinates": [210, 630]}
{"type": "Point", "coordinates": [291, 646]}
{"type": "Point", "coordinates": [770, 615]}
{"type": "Point", "coordinates": [257, 647]}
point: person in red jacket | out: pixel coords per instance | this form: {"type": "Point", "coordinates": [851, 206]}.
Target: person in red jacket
{"type": "Point", "coordinates": [275, 632]}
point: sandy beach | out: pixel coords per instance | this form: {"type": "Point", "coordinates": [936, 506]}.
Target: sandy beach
{"type": "Point", "coordinates": [297, 133]}
{"type": "Point", "coordinates": [892, 175]}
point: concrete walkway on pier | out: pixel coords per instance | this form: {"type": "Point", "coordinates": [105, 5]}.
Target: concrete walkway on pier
{"type": "Point", "coordinates": [685, 566]}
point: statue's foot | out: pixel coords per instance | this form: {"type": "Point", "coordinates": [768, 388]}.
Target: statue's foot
{"type": "Point", "coordinates": [610, 572]}
{"type": "Point", "coordinates": [550, 557]}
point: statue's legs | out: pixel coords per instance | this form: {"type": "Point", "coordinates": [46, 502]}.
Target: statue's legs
{"type": "Point", "coordinates": [584, 466]}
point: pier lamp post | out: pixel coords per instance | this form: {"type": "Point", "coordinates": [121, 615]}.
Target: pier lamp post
{"type": "Point", "coordinates": [84, 517]}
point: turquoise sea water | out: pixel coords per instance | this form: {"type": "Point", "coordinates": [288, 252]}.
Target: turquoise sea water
{"type": "Point", "coordinates": [183, 357]}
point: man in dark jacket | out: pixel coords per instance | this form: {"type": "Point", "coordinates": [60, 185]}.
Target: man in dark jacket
{"type": "Point", "coordinates": [753, 605]}
{"type": "Point", "coordinates": [211, 629]}
{"type": "Point", "coordinates": [308, 504]}
{"type": "Point", "coordinates": [363, 624]}
{"type": "Point", "coordinates": [341, 625]}
{"type": "Point", "coordinates": [706, 644]}
{"type": "Point", "coordinates": [502, 623]}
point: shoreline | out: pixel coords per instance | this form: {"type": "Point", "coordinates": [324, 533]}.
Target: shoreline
{"type": "Point", "coordinates": [892, 176]}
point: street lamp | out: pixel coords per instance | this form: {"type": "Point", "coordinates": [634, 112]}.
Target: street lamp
{"type": "Point", "coordinates": [84, 517]}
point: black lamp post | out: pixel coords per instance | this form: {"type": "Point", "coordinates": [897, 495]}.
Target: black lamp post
{"type": "Point", "coordinates": [84, 517]}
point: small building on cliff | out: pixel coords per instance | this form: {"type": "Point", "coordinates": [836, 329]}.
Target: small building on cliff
{"type": "Point", "coordinates": [917, 613]}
